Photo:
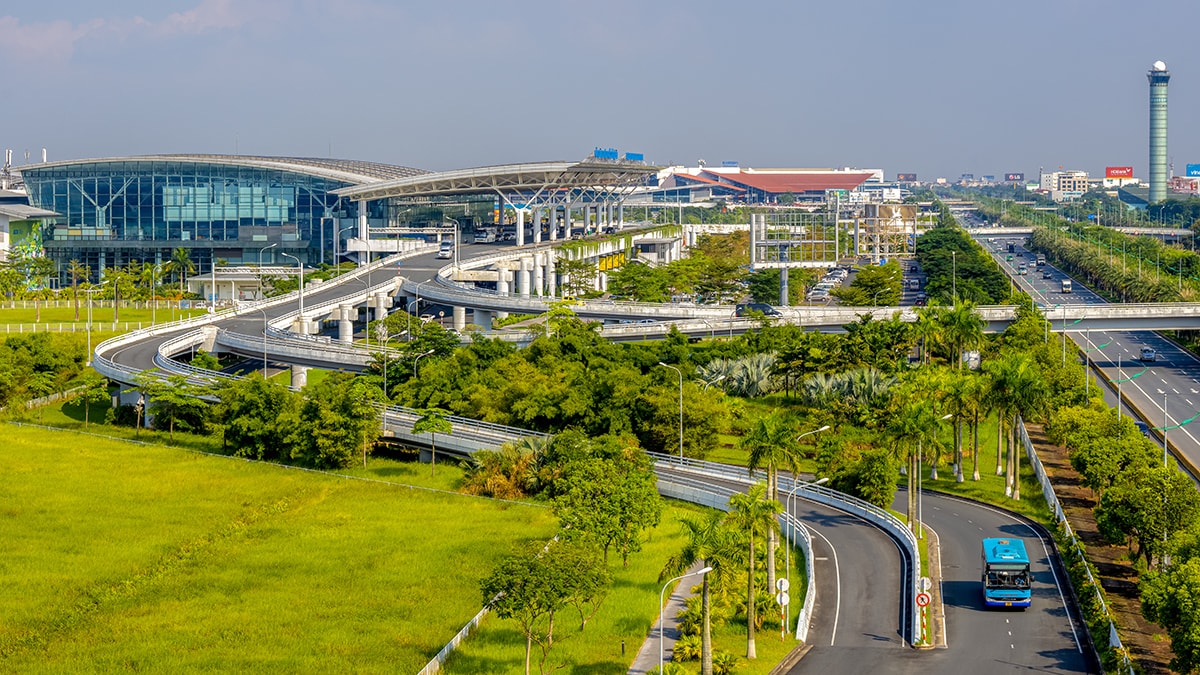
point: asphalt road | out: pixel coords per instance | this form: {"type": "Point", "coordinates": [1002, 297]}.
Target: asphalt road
{"type": "Point", "coordinates": [1046, 638]}
{"type": "Point", "coordinates": [141, 354]}
{"type": "Point", "coordinates": [1166, 391]}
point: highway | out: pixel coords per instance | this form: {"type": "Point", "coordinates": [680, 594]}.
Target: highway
{"type": "Point", "coordinates": [1166, 391]}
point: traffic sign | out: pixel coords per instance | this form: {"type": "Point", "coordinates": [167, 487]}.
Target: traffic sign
{"type": "Point", "coordinates": [923, 599]}
{"type": "Point", "coordinates": [782, 584]}
{"type": "Point", "coordinates": [782, 599]}
{"type": "Point", "coordinates": [924, 584]}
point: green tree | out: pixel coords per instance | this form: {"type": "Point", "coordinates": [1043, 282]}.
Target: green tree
{"type": "Point", "coordinates": [579, 276]}
{"type": "Point", "coordinates": [771, 443]}
{"type": "Point", "coordinates": [78, 271]}
{"type": "Point", "coordinates": [339, 415]}
{"type": "Point", "coordinates": [913, 430]}
{"type": "Point", "coordinates": [1149, 505]}
{"type": "Point", "coordinates": [93, 390]}
{"type": "Point", "coordinates": [753, 514]}
{"type": "Point", "coordinates": [639, 282]}
{"type": "Point", "coordinates": [609, 502]}
{"type": "Point", "coordinates": [1018, 388]}
{"type": "Point", "coordinates": [174, 401]}
{"type": "Point", "coordinates": [260, 418]}
{"type": "Point", "coordinates": [181, 265]}
{"type": "Point", "coordinates": [708, 541]}
{"type": "Point", "coordinates": [534, 583]}
{"type": "Point", "coordinates": [432, 421]}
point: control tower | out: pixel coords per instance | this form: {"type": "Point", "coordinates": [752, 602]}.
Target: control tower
{"type": "Point", "coordinates": [1158, 77]}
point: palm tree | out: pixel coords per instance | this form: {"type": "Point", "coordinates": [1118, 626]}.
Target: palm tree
{"type": "Point", "coordinates": [915, 427]}
{"type": "Point", "coordinates": [928, 329]}
{"type": "Point", "coordinates": [78, 271]}
{"type": "Point", "coordinates": [962, 327]}
{"type": "Point", "coordinates": [753, 514]}
{"type": "Point", "coordinates": [710, 542]}
{"type": "Point", "coordinates": [958, 400]}
{"type": "Point", "coordinates": [181, 264]}
{"type": "Point", "coordinates": [1019, 390]}
{"type": "Point", "coordinates": [772, 443]}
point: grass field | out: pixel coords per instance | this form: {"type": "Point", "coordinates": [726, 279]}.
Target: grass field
{"type": "Point", "coordinates": [27, 314]}
{"type": "Point", "coordinates": [127, 557]}
{"type": "Point", "coordinates": [626, 617]}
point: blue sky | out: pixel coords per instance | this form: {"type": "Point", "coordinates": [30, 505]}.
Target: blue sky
{"type": "Point", "coordinates": [939, 87]}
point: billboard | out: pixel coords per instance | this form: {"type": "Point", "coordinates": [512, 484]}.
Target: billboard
{"type": "Point", "coordinates": [968, 176]}
{"type": "Point", "coordinates": [1118, 172]}
{"type": "Point", "coordinates": [1014, 177]}
{"type": "Point", "coordinates": [605, 153]}
{"type": "Point", "coordinates": [910, 177]}
{"type": "Point", "coordinates": [1193, 170]}
{"type": "Point", "coordinates": [989, 178]}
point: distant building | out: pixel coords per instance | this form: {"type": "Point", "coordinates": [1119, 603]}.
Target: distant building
{"type": "Point", "coordinates": [686, 185]}
{"type": "Point", "coordinates": [1064, 186]}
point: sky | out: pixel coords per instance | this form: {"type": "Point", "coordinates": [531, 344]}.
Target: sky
{"type": "Point", "coordinates": [935, 87]}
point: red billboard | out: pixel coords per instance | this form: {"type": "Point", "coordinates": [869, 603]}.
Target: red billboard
{"type": "Point", "coordinates": [1118, 172]}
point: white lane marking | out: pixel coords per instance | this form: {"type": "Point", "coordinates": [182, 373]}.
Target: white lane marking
{"type": "Point", "coordinates": [1188, 401]}
{"type": "Point", "coordinates": [820, 558]}
{"type": "Point", "coordinates": [1057, 584]}
{"type": "Point", "coordinates": [837, 573]}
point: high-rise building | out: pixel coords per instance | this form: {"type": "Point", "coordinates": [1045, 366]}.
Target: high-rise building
{"type": "Point", "coordinates": [1158, 77]}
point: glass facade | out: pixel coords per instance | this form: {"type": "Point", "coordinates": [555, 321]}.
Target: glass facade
{"type": "Point", "coordinates": [115, 212]}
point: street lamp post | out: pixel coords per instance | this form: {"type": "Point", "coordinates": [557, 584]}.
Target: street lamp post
{"type": "Point", "coordinates": [418, 358]}
{"type": "Point", "coordinates": [661, 610]}
{"type": "Point", "coordinates": [300, 265]}
{"type": "Point", "coordinates": [260, 264]}
{"type": "Point", "coordinates": [680, 374]}
{"type": "Point", "coordinates": [457, 227]}
{"type": "Point", "coordinates": [264, 313]}
{"type": "Point", "coordinates": [920, 467]}
{"type": "Point", "coordinates": [791, 504]}
{"type": "Point", "coordinates": [89, 292]}
{"type": "Point", "coordinates": [954, 279]}
{"type": "Point", "coordinates": [153, 302]}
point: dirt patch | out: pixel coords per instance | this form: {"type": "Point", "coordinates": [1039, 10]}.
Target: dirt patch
{"type": "Point", "coordinates": [1147, 642]}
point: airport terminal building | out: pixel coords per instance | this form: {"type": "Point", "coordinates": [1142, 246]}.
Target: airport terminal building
{"type": "Point", "coordinates": [110, 212]}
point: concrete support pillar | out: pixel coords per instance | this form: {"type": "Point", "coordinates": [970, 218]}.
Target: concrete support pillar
{"type": "Point", "coordinates": [502, 281]}
{"type": "Point", "coordinates": [539, 274]}
{"type": "Point", "coordinates": [552, 225]}
{"type": "Point", "coordinates": [299, 376]}
{"type": "Point", "coordinates": [566, 221]}
{"type": "Point", "coordinates": [523, 277]}
{"type": "Point", "coordinates": [520, 227]}
{"type": "Point", "coordinates": [620, 216]}
{"type": "Point", "coordinates": [501, 314]}
{"type": "Point", "coordinates": [381, 306]}
{"type": "Point", "coordinates": [346, 323]}
{"type": "Point", "coordinates": [537, 225]}
{"type": "Point", "coordinates": [482, 318]}
{"type": "Point", "coordinates": [602, 282]}
{"type": "Point", "coordinates": [460, 318]}
{"type": "Point", "coordinates": [551, 275]}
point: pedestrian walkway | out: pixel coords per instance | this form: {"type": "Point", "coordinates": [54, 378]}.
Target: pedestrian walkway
{"type": "Point", "coordinates": [647, 657]}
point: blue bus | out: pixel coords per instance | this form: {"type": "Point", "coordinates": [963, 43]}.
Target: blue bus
{"type": "Point", "coordinates": [1006, 578]}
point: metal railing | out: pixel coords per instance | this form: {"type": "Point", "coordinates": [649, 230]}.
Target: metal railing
{"type": "Point", "coordinates": [1060, 517]}
{"type": "Point", "coordinates": [883, 519]}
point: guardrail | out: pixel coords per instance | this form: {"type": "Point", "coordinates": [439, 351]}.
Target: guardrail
{"type": "Point", "coordinates": [887, 522]}
{"type": "Point", "coordinates": [1114, 639]}
{"type": "Point", "coordinates": [698, 492]}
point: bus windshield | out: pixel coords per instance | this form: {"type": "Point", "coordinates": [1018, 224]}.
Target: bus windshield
{"type": "Point", "coordinates": [1008, 578]}
{"type": "Point", "coordinates": [1006, 573]}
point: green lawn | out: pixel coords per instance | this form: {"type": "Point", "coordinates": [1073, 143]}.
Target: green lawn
{"type": "Point", "coordinates": [26, 313]}
{"type": "Point", "coordinates": [130, 557]}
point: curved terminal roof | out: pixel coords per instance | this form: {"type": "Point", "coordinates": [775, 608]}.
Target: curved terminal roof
{"type": "Point", "coordinates": [506, 178]}
{"type": "Point", "coordinates": [347, 170]}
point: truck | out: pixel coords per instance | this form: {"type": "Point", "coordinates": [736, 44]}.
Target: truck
{"type": "Point", "coordinates": [1011, 247]}
{"type": "Point", "coordinates": [1041, 260]}
{"type": "Point", "coordinates": [1066, 285]}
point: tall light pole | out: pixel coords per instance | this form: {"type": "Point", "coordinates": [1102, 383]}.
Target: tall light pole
{"type": "Point", "coordinates": [662, 611]}
{"type": "Point", "coordinates": [153, 302]}
{"type": "Point", "coordinates": [264, 313]}
{"type": "Point", "coordinates": [301, 273]}
{"type": "Point", "coordinates": [418, 358]}
{"type": "Point", "coordinates": [920, 466]}
{"type": "Point", "coordinates": [954, 279]}
{"type": "Point", "coordinates": [260, 264]}
{"type": "Point", "coordinates": [680, 374]}
{"type": "Point", "coordinates": [791, 504]}
{"type": "Point", "coordinates": [457, 227]}
{"type": "Point", "coordinates": [89, 292]}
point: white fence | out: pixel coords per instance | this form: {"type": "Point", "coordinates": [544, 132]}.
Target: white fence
{"type": "Point", "coordinates": [1114, 640]}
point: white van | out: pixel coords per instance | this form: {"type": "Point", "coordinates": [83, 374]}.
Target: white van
{"type": "Point", "coordinates": [485, 236]}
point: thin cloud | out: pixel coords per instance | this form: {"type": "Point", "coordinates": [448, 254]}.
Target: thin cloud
{"type": "Point", "coordinates": [57, 41]}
